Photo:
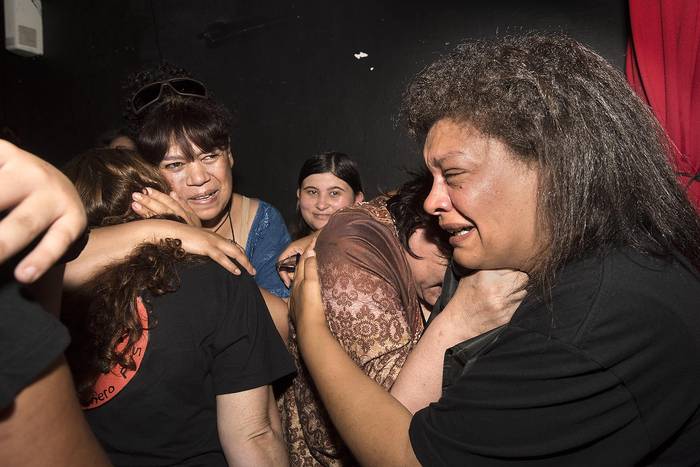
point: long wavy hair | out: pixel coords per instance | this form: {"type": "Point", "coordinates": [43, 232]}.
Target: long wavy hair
{"type": "Point", "coordinates": [104, 313]}
{"type": "Point", "coordinates": [603, 159]}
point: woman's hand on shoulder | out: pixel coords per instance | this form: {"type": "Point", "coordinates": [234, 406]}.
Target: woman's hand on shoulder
{"type": "Point", "coordinates": [37, 198]}
{"type": "Point", "coordinates": [152, 202]}
{"type": "Point", "coordinates": [203, 242]}
{"type": "Point", "coordinates": [485, 300]}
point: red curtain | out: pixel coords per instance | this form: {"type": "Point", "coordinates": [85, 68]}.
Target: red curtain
{"type": "Point", "coordinates": [663, 67]}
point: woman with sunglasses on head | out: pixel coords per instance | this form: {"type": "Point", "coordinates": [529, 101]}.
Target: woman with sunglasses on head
{"type": "Point", "coordinates": [172, 356]}
{"type": "Point", "coordinates": [106, 244]}
{"type": "Point", "coordinates": [185, 134]}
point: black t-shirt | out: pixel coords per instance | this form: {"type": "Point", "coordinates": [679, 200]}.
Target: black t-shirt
{"type": "Point", "coordinates": [32, 339]}
{"type": "Point", "coordinates": [214, 335]}
{"type": "Point", "coordinates": [607, 374]}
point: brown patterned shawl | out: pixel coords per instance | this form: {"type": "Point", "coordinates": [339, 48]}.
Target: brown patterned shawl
{"type": "Point", "coordinates": [372, 309]}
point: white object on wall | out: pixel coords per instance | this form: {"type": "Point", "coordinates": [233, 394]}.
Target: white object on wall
{"type": "Point", "coordinates": [23, 27]}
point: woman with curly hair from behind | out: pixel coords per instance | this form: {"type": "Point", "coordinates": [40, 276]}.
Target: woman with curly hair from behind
{"type": "Point", "coordinates": [172, 355]}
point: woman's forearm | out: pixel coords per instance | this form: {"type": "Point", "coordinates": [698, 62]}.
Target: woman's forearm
{"type": "Point", "coordinates": [249, 428]}
{"type": "Point", "coordinates": [484, 300]}
{"type": "Point", "coordinates": [114, 243]}
{"type": "Point", "coordinates": [107, 245]}
{"type": "Point", "coordinates": [369, 419]}
{"type": "Point", "coordinates": [267, 449]}
{"type": "Point", "coordinates": [420, 381]}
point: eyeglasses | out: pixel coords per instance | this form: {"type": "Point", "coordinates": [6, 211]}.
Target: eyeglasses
{"type": "Point", "coordinates": [152, 92]}
{"type": "Point", "coordinates": [289, 264]}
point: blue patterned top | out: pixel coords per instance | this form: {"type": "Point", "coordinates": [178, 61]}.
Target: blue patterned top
{"type": "Point", "coordinates": [267, 238]}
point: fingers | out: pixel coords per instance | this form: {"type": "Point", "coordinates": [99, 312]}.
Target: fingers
{"type": "Point", "coordinates": [142, 210]}
{"type": "Point", "coordinates": [305, 303]}
{"type": "Point", "coordinates": [151, 203]}
{"type": "Point", "coordinates": [292, 249]}
{"type": "Point", "coordinates": [187, 211]}
{"type": "Point", "coordinates": [56, 240]}
{"type": "Point", "coordinates": [297, 246]}
{"type": "Point", "coordinates": [225, 262]}
{"type": "Point", "coordinates": [311, 268]}
{"type": "Point", "coordinates": [309, 255]}
{"type": "Point", "coordinates": [37, 197]}
{"type": "Point", "coordinates": [19, 228]}
{"type": "Point", "coordinates": [235, 251]}
{"type": "Point", "coordinates": [286, 277]}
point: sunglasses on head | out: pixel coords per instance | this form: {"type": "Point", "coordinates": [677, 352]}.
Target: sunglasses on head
{"type": "Point", "coordinates": [152, 92]}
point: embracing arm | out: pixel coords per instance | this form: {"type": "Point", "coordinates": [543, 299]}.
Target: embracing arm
{"type": "Point", "coordinates": [483, 301]}
{"type": "Point", "coordinates": [249, 428]}
{"type": "Point", "coordinates": [113, 243]}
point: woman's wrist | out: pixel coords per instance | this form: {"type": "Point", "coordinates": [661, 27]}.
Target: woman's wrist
{"type": "Point", "coordinates": [454, 326]}
{"type": "Point", "coordinates": [154, 230]}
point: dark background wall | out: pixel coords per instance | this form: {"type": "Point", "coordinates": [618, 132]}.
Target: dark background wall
{"type": "Point", "coordinates": [287, 69]}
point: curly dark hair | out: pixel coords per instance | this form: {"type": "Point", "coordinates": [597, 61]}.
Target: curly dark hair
{"type": "Point", "coordinates": [103, 313]}
{"type": "Point", "coordinates": [605, 180]}
{"type": "Point", "coordinates": [406, 209]}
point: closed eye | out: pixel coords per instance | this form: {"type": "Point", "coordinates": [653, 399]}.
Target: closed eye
{"type": "Point", "coordinates": [209, 157]}
{"type": "Point", "coordinates": [451, 176]}
{"type": "Point", "coordinates": [173, 165]}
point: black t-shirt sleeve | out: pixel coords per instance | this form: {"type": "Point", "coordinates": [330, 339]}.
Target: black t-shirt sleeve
{"type": "Point", "coordinates": [247, 349]}
{"type": "Point", "coordinates": [530, 399]}
{"type": "Point", "coordinates": [32, 339]}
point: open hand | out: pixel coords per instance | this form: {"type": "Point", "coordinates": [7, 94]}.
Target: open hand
{"type": "Point", "coordinates": [486, 299]}
{"type": "Point", "coordinates": [203, 242]}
